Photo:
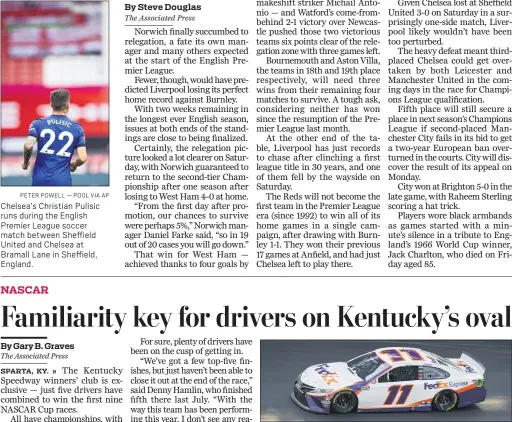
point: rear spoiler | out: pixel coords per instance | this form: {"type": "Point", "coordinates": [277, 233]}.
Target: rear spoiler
{"type": "Point", "coordinates": [472, 362]}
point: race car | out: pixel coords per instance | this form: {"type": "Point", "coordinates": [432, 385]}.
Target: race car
{"type": "Point", "coordinates": [391, 379]}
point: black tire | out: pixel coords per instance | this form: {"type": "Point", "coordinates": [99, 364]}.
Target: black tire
{"type": "Point", "coordinates": [344, 402]}
{"type": "Point", "coordinates": [445, 400]}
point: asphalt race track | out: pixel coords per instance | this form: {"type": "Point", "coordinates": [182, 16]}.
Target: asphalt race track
{"type": "Point", "coordinates": [282, 361]}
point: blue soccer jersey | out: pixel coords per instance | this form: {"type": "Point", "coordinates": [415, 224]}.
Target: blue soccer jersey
{"type": "Point", "coordinates": [57, 138]}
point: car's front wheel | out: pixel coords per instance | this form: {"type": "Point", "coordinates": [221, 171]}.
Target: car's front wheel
{"type": "Point", "coordinates": [445, 400]}
{"type": "Point", "coordinates": [344, 402]}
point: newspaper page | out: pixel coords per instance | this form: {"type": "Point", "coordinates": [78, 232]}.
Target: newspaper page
{"type": "Point", "coordinates": [261, 210]}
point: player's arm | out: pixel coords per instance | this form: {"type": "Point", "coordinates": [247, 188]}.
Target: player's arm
{"type": "Point", "coordinates": [27, 151]}
{"type": "Point", "coordinates": [81, 158]}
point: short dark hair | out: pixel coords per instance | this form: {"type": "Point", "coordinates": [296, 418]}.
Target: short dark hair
{"type": "Point", "coordinates": [59, 99]}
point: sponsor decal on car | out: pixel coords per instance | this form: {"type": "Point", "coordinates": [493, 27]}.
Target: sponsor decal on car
{"type": "Point", "coordinates": [444, 384]}
{"type": "Point", "coordinates": [328, 376]}
{"type": "Point", "coordinates": [479, 382]}
{"type": "Point", "coordinates": [466, 366]}
{"type": "Point", "coordinates": [458, 384]}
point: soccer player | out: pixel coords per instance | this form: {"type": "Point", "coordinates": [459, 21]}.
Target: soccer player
{"type": "Point", "coordinates": [57, 138]}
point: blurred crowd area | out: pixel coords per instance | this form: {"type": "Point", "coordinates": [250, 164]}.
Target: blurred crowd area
{"type": "Point", "coordinates": [47, 45]}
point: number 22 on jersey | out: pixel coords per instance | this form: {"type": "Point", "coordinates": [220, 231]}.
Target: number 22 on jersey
{"type": "Point", "coordinates": [63, 152]}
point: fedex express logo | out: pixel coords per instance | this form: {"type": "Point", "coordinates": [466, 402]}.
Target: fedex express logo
{"type": "Point", "coordinates": [444, 384]}
{"type": "Point", "coordinates": [328, 377]}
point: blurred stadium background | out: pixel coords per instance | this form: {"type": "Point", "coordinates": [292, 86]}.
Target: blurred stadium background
{"type": "Point", "coordinates": [47, 45]}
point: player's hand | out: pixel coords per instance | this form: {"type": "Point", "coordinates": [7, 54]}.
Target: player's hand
{"type": "Point", "coordinates": [72, 166]}
{"type": "Point", "coordinates": [24, 166]}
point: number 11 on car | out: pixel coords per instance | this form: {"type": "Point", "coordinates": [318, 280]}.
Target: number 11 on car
{"type": "Point", "coordinates": [393, 391]}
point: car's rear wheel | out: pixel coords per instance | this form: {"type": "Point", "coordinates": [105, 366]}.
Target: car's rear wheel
{"type": "Point", "coordinates": [344, 402]}
{"type": "Point", "coordinates": [445, 400]}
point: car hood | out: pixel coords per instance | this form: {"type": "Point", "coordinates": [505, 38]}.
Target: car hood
{"type": "Point", "coordinates": [329, 376]}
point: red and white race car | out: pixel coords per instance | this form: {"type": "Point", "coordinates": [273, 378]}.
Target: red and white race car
{"type": "Point", "coordinates": [391, 379]}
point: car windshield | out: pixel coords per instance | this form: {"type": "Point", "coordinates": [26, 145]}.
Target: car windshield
{"type": "Point", "coordinates": [365, 365]}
